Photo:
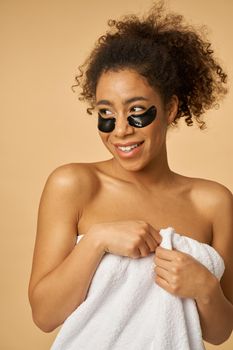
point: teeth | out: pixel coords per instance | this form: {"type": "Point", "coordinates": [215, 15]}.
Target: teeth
{"type": "Point", "coordinates": [128, 148]}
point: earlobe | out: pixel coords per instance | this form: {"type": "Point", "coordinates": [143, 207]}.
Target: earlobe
{"type": "Point", "coordinates": [172, 109]}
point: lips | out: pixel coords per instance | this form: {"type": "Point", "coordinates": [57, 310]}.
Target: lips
{"type": "Point", "coordinates": [129, 150]}
{"type": "Point", "coordinates": [128, 143]}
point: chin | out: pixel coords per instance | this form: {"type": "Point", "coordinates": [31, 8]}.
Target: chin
{"type": "Point", "coordinates": [131, 166]}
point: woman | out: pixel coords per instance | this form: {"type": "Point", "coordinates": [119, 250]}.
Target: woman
{"type": "Point", "coordinates": [140, 79]}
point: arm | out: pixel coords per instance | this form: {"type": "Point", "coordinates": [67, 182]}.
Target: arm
{"type": "Point", "coordinates": [182, 275]}
{"type": "Point", "coordinates": [62, 271]}
{"type": "Point", "coordinates": [215, 307]}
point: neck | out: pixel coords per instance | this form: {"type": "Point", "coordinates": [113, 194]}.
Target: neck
{"type": "Point", "coordinates": [155, 174]}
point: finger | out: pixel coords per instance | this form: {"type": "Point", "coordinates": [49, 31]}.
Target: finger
{"type": "Point", "coordinates": [151, 243]}
{"type": "Point", "coordinates": [165, 264]}
{"type": "Point", "coordinates": [162, 273]}
{"type": "Point", "coordinates": [137, 254]}
{"type": "Point", "coordinates": [163, 283]}
{"type": "Point", "coordinates": [155, 234]}
{"type": "Point", "coordinates": [165, 254]}
{"type": "Point", "coordinates": [169, 254]}
{"type": "Point", "coordinates": [144, 249]}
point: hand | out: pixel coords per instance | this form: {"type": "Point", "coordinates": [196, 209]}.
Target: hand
{"type": "Point", "coordinates": [181, 274]}
{"type": "Point", "coordinates": [131, 238]}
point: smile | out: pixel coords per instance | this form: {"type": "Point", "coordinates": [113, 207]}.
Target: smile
{"type": "Point", "coordinates": [129, 151]}
{"type": "Point", "coordinates": [129, 148]}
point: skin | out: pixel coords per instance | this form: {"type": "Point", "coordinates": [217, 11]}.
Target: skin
{"type": "Point", "coordinates": [147, 196]}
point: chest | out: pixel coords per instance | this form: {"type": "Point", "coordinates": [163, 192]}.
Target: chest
{"type": "Point", "coordinates": [177, 210]}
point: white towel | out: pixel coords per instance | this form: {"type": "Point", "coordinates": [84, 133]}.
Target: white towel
{"type": "Point", "coordinates": [126, 310]}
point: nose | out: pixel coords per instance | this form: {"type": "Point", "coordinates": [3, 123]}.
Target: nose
{"type": "Point", "coordinates": [122, 127]}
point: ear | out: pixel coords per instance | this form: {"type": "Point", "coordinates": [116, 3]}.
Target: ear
{"type": "Point", "coordinates": [172, 109]}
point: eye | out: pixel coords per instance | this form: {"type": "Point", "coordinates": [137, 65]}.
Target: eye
{"type": "Point", "coordinates": [105, 112]}
{"type": "Point", "coordinates": [137, 108]}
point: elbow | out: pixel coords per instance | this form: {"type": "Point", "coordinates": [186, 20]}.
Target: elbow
{"type": "Point", "coordinates": [221, 341]}
{"type": "Point", "coordinates": [40, 316]}
{"type": "Point", "coordinates": [42, 324]}
{"type": "Point", "coordinates": [218, 341]}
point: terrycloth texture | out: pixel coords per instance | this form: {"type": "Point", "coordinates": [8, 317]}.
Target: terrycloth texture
{"type": "Point", "coordinates": [126, 310]}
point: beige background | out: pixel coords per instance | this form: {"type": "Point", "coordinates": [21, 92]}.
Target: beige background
{"type": "Point", "coordinates": [43, 125]}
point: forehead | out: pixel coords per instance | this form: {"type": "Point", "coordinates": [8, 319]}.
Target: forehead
{"type": "Point", "coordinates": [123, 85]}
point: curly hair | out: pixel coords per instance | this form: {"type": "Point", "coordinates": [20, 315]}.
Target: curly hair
{"type": "Point", "coordinates": [175, 58]}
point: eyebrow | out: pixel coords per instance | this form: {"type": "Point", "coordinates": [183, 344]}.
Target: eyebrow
{"type": "Point", "coordinates": [132, 99]}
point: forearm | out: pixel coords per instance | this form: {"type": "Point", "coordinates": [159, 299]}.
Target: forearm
{"type": "Point", "coordinates": [216, 314]}
{"type": "Point", "coordinates": [61, 291]}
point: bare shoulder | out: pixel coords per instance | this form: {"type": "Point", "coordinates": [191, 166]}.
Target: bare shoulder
{"type": "Point", "coordinates": [67, 189]}
{"type": "Point", "coordinates": [78, 178]}
{"type": "Point", "coordinates": [217, 201]}
{"type": "Point", "coordinates": [73, 173]}
{"type": "Point", "coordinates": [210, 195]}
{"type": "Point", "coordinates": [214, 201]}
{"type": "Point", "coordinates": [221, 204]}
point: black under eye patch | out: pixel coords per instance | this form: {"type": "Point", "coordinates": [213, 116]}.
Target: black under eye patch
{"type": "Point", "coordinates": [137, 121]}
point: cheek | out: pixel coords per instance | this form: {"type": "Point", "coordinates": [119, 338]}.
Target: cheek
{"type": "Point", "coordinates": [104, 137]}
{"type": "Point", "coordinates": [156, 133]}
